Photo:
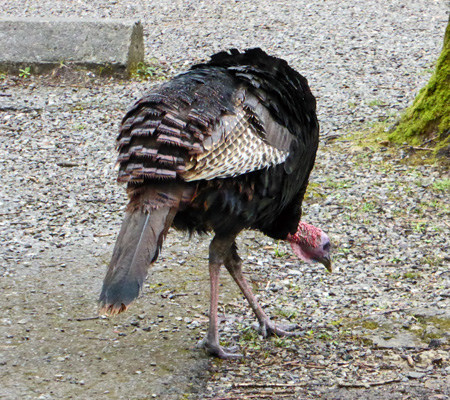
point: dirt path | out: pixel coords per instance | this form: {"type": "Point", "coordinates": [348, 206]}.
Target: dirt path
{"type": "Point", "coordinates": [55, 346]}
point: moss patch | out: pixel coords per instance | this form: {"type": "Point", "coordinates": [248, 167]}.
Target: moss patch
{"type": "Point", "coordinates": [370, 325]}
{"type": "Point", "coordinates": [440, 323]}
{"type": "Point", "coordinates": [429, 116]}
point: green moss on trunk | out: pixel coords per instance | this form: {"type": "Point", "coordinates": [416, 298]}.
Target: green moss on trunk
{"type": "Point", "coordinates": [429, 116]}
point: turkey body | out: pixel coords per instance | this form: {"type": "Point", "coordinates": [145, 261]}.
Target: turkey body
{"type": "Point", "coordinates": [228, 145]}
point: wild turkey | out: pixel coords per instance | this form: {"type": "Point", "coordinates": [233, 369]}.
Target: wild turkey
{"type": "Point", "coordinates": [228, 145]}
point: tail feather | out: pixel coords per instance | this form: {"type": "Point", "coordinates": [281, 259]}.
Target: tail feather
{"type": "Point", "coordinates": [137, 246]}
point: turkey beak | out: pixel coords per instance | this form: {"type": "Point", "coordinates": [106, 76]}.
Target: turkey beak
{"type": "Point", "coordinates": [326, 261]}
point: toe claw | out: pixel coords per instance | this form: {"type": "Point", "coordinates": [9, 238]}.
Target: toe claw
{"type": "Point", "coordinates": [215, 350]}
{"type": "Point", "coordinates": [268, 328]}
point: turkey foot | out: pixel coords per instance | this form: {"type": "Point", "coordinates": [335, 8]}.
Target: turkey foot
{"type": "Point", "coordinates": [210, 343]}
{"type": "Point", "coordinates": [215, 350]}
{"type": "Point", "coordinates": [268, 328]}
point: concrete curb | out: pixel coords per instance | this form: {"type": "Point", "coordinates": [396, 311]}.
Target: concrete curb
{"type": "Point", "coordinates": [104, 45]}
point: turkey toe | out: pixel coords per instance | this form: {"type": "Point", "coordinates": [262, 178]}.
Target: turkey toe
{"type": "Point", "coordinates": [269, 328]}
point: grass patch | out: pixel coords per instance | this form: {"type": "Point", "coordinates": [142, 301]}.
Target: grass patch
{"type": "Point", "coordinates": [281, 342]}
{"type": "Point", "coordinates": [368, 207]}
{"type": "Point", "coordinates": [278, 252]}
{"type": "Point", "coordinates": [375, 103]}
{"type": "Point", "coordinates": [25, 72]}
{"type": "Point", "coordinates": [313, 191]}
{"type": "Point", "coordinates": [152, 70]}
{"type": "Point", "coordinates": [287, 313]}
{"type": "Point", "coordinates": [412, 275]}
{"type": "Point", "coordinates": [79, 127]}
{"type": "Point", "coordinates": [341, 184]}
{"type": "Point", "coordinates": [250, 339]}
{"type": "Point", "coordinates": [442, 185]}
{"type": "Point", "coordinates": [338, 322]}
{"type": "Point", "coordinates": [440, 323]}
{"type": "Point", "coordinates": [370, 325]}
{"type": "Point", "coordinates": [419, 227]}
{"type": "Point", "coordinates": [441, 327]}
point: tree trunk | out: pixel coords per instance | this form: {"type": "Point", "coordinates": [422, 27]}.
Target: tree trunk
{"type": "Point", "coordinates": [429, 116]}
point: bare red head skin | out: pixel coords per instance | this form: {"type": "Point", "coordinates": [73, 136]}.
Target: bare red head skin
{"type": "Point", "coordinates": [311, 244]}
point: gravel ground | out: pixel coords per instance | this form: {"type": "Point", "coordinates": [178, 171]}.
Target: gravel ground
{"type": "Point", "coordinates": [375, 328]}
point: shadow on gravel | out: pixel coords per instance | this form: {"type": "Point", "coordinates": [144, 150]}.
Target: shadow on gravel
{"type": "Point", "coordinates": [56, 346]}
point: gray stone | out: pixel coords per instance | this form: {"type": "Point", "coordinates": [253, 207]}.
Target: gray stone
{"type": "Point", "coordinates": [430, 312]}
{"type": "Point", "coordinates": [415, 375]}
{"type": "Point", "coordinates": [401, 341]}
{"type": "Point", "coordinates": [115, 46]}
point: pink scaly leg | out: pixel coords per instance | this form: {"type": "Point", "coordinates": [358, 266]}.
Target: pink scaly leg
{"type": "Point", "coordinates": [266, 327]}
{"type": "Point", "coordinates": [211, 342]}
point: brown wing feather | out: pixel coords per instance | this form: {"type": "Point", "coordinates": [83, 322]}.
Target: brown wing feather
{"type": "Point", "coordinates": [271, 132]}
{"type": "Point", "coordinates": [246, 141]}
{"type": "Point", "coordinates": [183, 139]}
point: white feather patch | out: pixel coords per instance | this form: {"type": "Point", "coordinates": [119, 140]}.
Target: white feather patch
{"type": "Point", "coordinates": [234, 148]}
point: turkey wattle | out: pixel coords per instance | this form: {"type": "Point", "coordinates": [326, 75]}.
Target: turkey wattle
{"type": "Point", "coordinates": [228, 145]}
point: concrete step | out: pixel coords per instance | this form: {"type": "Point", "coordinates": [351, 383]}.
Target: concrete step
{"type": "Point", "coordinates": [104, 45]}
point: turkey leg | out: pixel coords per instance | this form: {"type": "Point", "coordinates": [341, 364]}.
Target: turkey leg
{"type": "Point", "coordinates": [211, 342]}
{"type": "Point", "coordinates": [266, 327]}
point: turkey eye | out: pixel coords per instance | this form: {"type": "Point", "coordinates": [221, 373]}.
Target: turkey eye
{"type": "Point", "coordinates": [326, 246]}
